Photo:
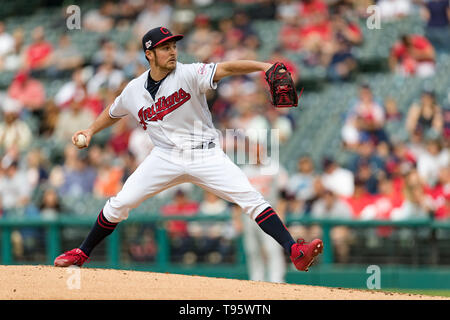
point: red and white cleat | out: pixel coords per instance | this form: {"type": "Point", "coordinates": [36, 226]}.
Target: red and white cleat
{"type": "Point", "coordinates": [74, 257]}
{"type": "Point", "coordinates": [303, 253]}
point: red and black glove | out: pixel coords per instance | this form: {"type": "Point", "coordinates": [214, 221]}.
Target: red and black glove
{"type": "Point", "coordinates": [282, 88]}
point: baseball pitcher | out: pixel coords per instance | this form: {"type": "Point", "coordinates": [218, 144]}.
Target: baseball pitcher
{"type": "Point", "coordinates": [168, 101]}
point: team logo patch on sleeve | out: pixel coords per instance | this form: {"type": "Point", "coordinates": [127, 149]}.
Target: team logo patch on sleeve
{"type": "Point", "coordinates": [202, 70]}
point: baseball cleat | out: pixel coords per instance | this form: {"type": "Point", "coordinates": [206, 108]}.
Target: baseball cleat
{"type": "Point", "coordinates": [303, 253]}
{"type": "Point", "coordinates": [74, 257]}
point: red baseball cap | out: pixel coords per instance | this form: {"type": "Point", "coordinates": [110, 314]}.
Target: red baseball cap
{"type": "Point", "coordinates": [156, 36]}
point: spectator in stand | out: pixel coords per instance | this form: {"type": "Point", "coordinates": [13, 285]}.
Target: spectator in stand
{"type": "Point", "coordinates": [287, 9]}
{"type": "Point", "coordinates": [341, 63]}
{"type": "Point", "coordinates": [391, 10]}
{"type": "Point", "coordinates": [126, 13]}
{"type": "Point", "coordinates": [436, 193]}
{"type": "Point", "coordinates": [49, 119]}
{"type": "Point", "coordinates": [360, 198]}
{"type": "Point", "coordinates": [265, 10]}
{"type": "Point", "coordinates": [400, 160]}
{"type": "Point", "coordinates": [73, 89]}
{"type": "Point", "coordinates": [120, 135]}
{"type": "Point", "coordinates": [346, 30]}
{"type": "Point", "coordinates": [14, 59]}
{"type": "Point", "coordinates": [96, 154]}
{"type": "Point", "coordinates": [212, 237]}
{"type": "Point", "coordinates": [234, 48]}
{"type": "Point", "coordinates": [392, 112]}
{"type": "Point", "coordinates": [382, 152]}
{"type": "Point", "coordinates": [432, 161]}
{"type": "Point", "coordinates": [108, 180]}
{"type": "Point", "coordinates": [339, 59]}
{"type": "Point", "coordinates": [50, 206]}
{"type": "Point", "coordinates": [133, 60]}
{"type": "Point", "coordinates": [425, 116]}
{"type": "Point", "coordinates": [290, 34]}
{"type": "Point", "coordinates": [7, 44]}
{"type": "Point", "coordinates": [183, 16]}
{"type": "Point", "coordinates": [446, 129]}
{"type": "Point", "coordinates": [330, 206]}
{"type": "Point", "coordinates": [415, 204]}
{"type": "Point", "coordinates": [76, 176]}
{"type": "Point", "coordinates": [70, 120]}
{"type": "Point", "coordinates": [366, 173]}
{"type": "Point", "coordinates": [309, 9]}
{"type": "Point", "coordinates": [415, 146]}
{"type": "Point", "coordinates": [280, 121]}
{"type": "Point", "coordinates": [201, 39]}
{"type": "Point", "coordinates": [443, 212]}
{"type": "Point", "coordinates": [15, 191]}
{"type": "Point", "coordinates": [65, 58]}
{"type": "Point", "coordinates": [37, 168]}
{"type": "Point", "coordinates": [366, 154]}
{"type": "Point", "coordinates": [110, 53]}
{"type": "Point", "coordinates": [100, 20]}
{"type": "Point", "coordinates": [242, 22]}
{"type": "Point", "coordinates": [29, 91]}
{"type": "Point", "coordinates": [316, 34]}
{"type": "Point", "coordinates": [366, 117]}
{"type": "Point", "coordinates": [383, 203]}
{"type": "Point", "coordinates": [143, 247]}
{"type": "Point", "coordinates": [181, 242]}
{"type": "Point", "coordinates": [156, 13]}
{"type": "Point", "coordinates": [336, 178]}
{"type": "Point", "coordinates": [16, 194]}
{"type": "Point", "coordinates": [129, 165]}
{"type": "Point", "coordinates": [107, 77]}
{"type": "Point", "coordinates": [38, 55]}
{"type": "Point", "coordinates": [250, 119]}
{"type": "Point", "coordinates": [14, 132]}
{"type": "Point", "coordinates": [301, 184]}
{"type": "Point", "coordinates": [413, 55]}
{"type": "Point", "coordinates": [244, 88]}
{"type": "Point", "coordinates": [437, 15]}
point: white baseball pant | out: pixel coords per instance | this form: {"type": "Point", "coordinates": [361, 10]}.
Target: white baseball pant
{"type": "Point", "coordinates": [210, 169]}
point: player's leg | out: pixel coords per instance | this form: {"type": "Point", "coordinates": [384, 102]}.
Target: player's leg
{"type": "Point", "coordinates": [218, 174]}
{"type": "Point", "coordinates": [276, 265]}
{"type": "Point", "coordinates": [252, 246]}
{"type": "Point", "coordinates": [152, 176]}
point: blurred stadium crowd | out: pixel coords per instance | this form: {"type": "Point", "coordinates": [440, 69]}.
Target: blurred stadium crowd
{"type": "Point", "coordinates": [57, 88]}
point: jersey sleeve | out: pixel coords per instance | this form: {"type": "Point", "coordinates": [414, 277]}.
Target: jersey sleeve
{"type": "Point", "coordinates": [118, 109]}
{"type": "Point", "coordinates": [202, 75]}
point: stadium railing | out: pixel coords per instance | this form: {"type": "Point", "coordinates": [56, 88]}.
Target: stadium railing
{"type": "Point", "coordinates": [53, 233]}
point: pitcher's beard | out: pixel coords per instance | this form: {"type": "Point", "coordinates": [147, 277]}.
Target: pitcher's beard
{"type": "Point", "coordinates": [168, 67]}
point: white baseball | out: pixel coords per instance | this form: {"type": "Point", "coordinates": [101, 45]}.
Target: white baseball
{"type": "Point", "coordinates": [81, 141]}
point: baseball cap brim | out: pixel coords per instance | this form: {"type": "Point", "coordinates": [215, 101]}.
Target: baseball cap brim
{"type": "Point", "coordinates": [176, 38]}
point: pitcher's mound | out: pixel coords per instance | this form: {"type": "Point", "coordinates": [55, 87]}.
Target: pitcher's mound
{"type": "Point", "coordinates": [47, 282]}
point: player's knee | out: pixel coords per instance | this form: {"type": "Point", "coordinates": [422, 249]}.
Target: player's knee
{"type": "Point", "coordinates": [116, 210]}
{"type": "Point", "coordinates": [256, 209]}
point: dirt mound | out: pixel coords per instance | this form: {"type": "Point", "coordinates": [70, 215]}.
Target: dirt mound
{"type": "Point", "coordinates": [46, 282]}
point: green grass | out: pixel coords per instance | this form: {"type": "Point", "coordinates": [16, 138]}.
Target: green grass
{"type": "Point", "coordinates": [427, 292]}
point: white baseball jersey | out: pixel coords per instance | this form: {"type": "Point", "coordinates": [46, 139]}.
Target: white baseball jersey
{"type": "Point", "coordinates": [179, 116]}
{"type": "Point", "coordinates": [178, 120]}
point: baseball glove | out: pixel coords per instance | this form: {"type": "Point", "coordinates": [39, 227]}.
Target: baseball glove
{"type": "Point", "coordinates": [282, 88]}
